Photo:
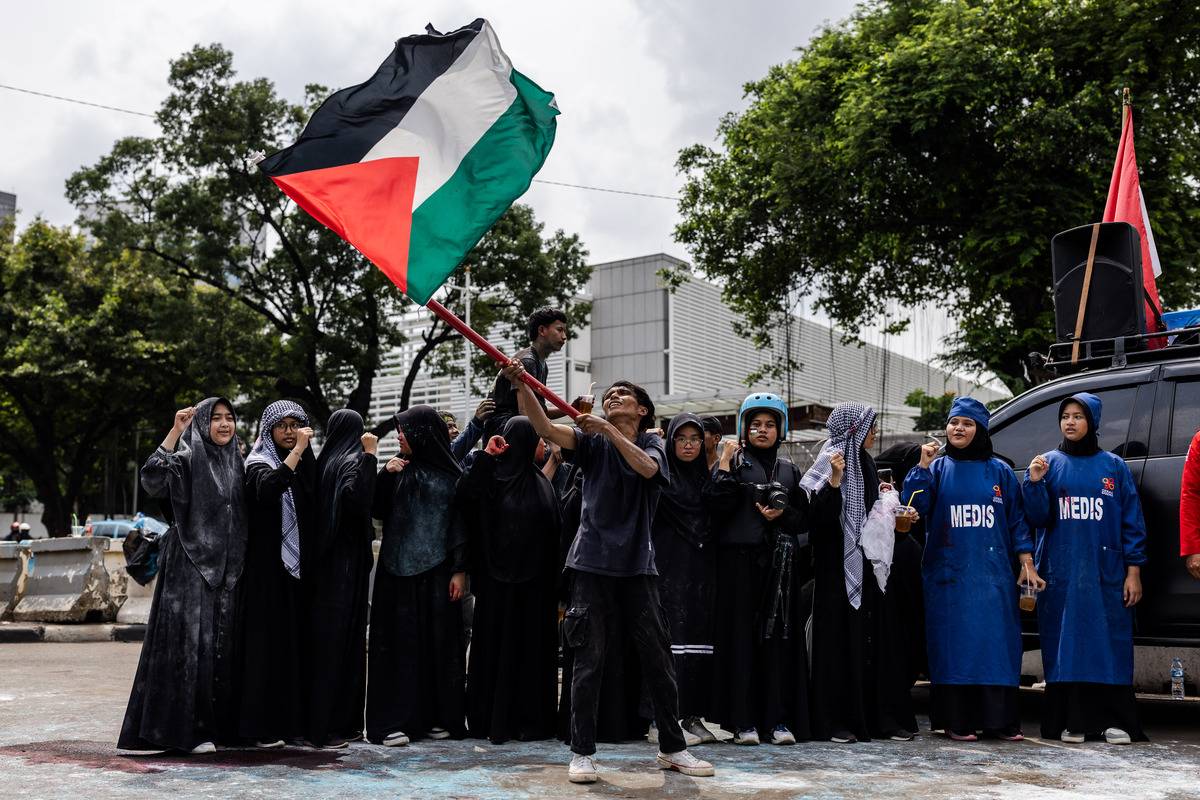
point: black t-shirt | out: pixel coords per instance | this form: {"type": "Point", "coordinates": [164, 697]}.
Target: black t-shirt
{"type": "Point", "coordinates": [504, 394]}
{"type": "Point", "coordinates": [618, 507]}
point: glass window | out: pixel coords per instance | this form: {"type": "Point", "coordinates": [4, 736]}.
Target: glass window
{"type": "Point", "coordinates": [1185, 420]}
{"type": "Point", "coordinates": [1037, 430]}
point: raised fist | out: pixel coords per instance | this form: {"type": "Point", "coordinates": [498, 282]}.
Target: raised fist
{"type": "Point", "coordinates": [1038, 468]}
{"type": "Point", "coordinates": [370, 442]}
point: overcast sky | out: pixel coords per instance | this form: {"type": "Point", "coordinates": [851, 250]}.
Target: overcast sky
{"type": "Point", "coordinates": [636, 81]}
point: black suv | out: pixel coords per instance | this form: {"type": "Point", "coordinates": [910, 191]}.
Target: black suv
{"type": "Point", "coordinates": [1151, 411]}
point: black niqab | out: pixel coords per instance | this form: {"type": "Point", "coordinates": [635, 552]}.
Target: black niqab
{"type": "Point", "coordinates": [680, 505]}
{"type": "Point", "coordinates": [428, 438]}
{"type": "Point", "coordinates": [210, 517]}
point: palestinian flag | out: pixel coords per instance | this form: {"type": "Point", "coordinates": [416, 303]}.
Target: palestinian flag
{"type": "Point", "coordinates": [413, 166]}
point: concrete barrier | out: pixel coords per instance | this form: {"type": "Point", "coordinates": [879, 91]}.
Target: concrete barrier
{"type": "Point", "coordinates": [12, 575]}
{"type": "Point", "coordinates": [66, 581]}
{"type": "Point", "coordinates": [131, 598]}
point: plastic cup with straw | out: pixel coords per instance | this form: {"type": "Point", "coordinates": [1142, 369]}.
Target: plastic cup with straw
{"type": "Point", "coordinates": [904, 514]}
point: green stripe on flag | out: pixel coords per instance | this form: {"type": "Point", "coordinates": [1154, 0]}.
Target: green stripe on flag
{"type": "Point", "coordinates": [494, 173]}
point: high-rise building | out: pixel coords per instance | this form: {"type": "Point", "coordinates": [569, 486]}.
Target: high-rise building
{"type": "Point", "coordinates": [8, 206]}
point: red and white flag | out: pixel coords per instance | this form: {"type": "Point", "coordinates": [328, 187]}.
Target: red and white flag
{"type": "Point", "coordinates": [1126, 204]}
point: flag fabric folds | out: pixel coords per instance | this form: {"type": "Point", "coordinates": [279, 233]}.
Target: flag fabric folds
{"type": "Point", "coordinates": [1126, 204]}
{"type": "Point", "coordinates": [413, 166]}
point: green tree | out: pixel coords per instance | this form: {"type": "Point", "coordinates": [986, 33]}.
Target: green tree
{"type": "Point", "coordinates": [935, 409]}
{"type": "Point", "coordinates": [190, 200]}
{"type": "Point", "coordinates": [927, 150]}
{"type": "Point", "coordinates": [515, 269]}
{"type": "Point", "coordinates": [94, 344]}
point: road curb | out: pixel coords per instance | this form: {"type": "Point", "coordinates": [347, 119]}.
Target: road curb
{"type": "Point", "coordinates": [16, 632]}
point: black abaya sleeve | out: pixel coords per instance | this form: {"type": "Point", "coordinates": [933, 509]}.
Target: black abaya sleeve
{"type": "Point", "coordinates": [264, 483]}
{"type": "Point", "coordinates": [362, 488]}
{"type": "Point", "coordinates": [476, 478]}
{"type": "Point", "coordinates": [795, 517]}
{"type": "Point", "coordinates": [722, 494]}
{"type": "Point", "coordinates": [163, 472]}
{"type": "Point", "coordinates": [385, 488]}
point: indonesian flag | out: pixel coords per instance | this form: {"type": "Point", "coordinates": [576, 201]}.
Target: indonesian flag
{"type": "Point", "coordinates": [413, 166]}
{"type": "Point", "coordinates": [1126, 204]}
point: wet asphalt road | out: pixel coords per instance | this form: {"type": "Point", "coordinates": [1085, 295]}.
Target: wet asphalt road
{"type": "Point", "coordinates": [61, 706]}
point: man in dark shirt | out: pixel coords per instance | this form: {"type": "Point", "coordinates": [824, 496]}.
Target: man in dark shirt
{"type": "Point", "coordinates": [612, 560]}
{"type": "Point", "coordinates": [547, 332]}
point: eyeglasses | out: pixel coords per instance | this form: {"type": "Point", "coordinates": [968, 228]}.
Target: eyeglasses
{"type": "Point", "coordinates": [288, 427]}
{"type": "Point", "coordinates": [688, 441]}
{"type": "Point", "coordinates": [763, 429]}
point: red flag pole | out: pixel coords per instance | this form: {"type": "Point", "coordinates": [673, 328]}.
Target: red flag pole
{"type": "Point", "coordinates": [451, 319]}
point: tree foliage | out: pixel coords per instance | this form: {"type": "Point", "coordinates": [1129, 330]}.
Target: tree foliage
{"type": "Point", "coordinates": [927, 150]}
{"type": "Point", "coordinates": [190, 199]}
{"type": "Point", "coordinates": [515, 269]}
{"type": "Point", "coordinates": [934, 409]}
{"type": "Point", "coordinates": [94, 344]}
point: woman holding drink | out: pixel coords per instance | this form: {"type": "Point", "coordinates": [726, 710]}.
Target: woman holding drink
{"type": "Point", "coordinates": [860, 684]}
{"type": "Point", "coordinates": [1091, 545]}
{"type": "Point", "coordinates": [976, 534]}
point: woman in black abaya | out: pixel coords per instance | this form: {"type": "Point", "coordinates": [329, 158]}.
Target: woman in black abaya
{"type": "Point", "coordinates": [280, 475]}
{"type": "Point", "coordinates": [415, 657]}
{"type": "Point", "coordinates": [181, 696]}
{"type": "Point", "coordinates": [686, 564]}
{"type": "Point", "coordinates": [336, 570]}
{"type": "Point", "coordinates": [861, 678]}
{"type": "Point", "coordinates": [512, 678]}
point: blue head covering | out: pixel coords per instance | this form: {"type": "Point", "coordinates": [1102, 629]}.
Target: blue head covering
{"type": "Point", "coordinates": [970, 408]}
{"type": "Point", "coordinates": [1090, 443]}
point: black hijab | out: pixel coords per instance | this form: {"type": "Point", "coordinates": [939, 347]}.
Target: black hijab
{"type": "Point", "coordinates": [428, 438]}
{"type": "Point", "coordinates": [210, 513]}
{"type": "Point", "coordinates": [337, 470]}
{"type": "Point", "coordinates": [521, 519]}
{"type": "Point", "coordinates": [979, 449]}
{"type": "Point", "coordinates": [680, 505]}
{"type": "Point", "coordinates": [1089, 445]}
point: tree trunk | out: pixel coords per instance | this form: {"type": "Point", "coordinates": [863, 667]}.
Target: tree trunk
{"type": "Point", "coordinates": [439, 332]}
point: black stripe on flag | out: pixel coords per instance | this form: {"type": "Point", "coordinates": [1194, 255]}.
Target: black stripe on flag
{"type": "Point", "coordinates": [352, 120]}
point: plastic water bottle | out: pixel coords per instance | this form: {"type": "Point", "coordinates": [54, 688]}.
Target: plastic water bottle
{"type": "Point", "coordinates": [1176, 679]}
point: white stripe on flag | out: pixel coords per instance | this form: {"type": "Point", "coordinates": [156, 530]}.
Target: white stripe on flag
{"type": "Point", "coordinates": [451, 115]}
{"type": "Point", "coordinates": [1149, 234]}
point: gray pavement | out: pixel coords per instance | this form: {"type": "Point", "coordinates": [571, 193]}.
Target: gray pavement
{"type": "Point", "coordinates": [61, 706]}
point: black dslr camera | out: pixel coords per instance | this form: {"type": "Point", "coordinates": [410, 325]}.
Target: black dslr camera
{"type": "Point", "coordinates": [771, 495]}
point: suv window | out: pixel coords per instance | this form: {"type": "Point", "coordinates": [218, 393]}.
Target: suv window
{"type": "Point", "coordinates": [1185, 418]}
{"type": "Point", "coordinates": [1037, 431]}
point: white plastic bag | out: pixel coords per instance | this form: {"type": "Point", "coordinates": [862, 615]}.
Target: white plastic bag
{"type": "Point", "coordinates": [879, 537]}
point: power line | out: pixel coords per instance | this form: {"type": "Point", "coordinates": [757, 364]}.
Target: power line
{"type": "Point", "coordinates": [77, 102]}
{"type": "Point", "coordinates": [151, 116]}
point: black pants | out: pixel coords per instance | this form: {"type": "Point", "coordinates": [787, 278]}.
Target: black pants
{"type": "Point", "coordinates": [598, 601]}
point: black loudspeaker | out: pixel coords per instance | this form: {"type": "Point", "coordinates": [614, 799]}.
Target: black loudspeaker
{"type": "Point", "coordinates": [1116, 299]}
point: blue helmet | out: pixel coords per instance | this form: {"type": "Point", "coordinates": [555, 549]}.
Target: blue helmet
{"type": "Point", "coordinates": [764, 401]}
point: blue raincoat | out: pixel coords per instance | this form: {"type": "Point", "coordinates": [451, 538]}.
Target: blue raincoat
{"type": "Point", "coordinates": [1090, 528]}
{"type": "Point", "coordinates": [976, 529]}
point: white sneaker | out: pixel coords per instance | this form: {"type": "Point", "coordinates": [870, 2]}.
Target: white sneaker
{"type": "Point", "coordinates": [781, 735]}
{"type": "Point", "coordinates": [689, 739]}
{"type": "Point", "coordinates": [686, 763]}
{"type": "Point", "coordinates": [748, 736]}
{"type": "Point", "coordinates": [1117, 736]}
{"type": "Point", "coordinates": [275, 745]}
{"type": "Point", "coordinates": [203, 748]}
{"type": "Point", "coordinates": [397, 739]}
{"type": "Point", "coordinates": [582, 769]}
{"type": "Point", "coordinates": [340, 744]}
{"type": "Point", "coordinates": [1071, 738]}
{"type": "Point", "coordinates": [696, 726]}
{"type": "Point", "coordinates": [438, 733]}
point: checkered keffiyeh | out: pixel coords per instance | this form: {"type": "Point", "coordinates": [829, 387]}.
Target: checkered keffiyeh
{"type": "Point", "coordinates": [264, 452]}
{"type": "Point", "coordinates": [849, 424]}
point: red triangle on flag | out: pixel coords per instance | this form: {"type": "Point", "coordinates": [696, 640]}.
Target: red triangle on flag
{"type": "Point", "coordinates": [368, 203]}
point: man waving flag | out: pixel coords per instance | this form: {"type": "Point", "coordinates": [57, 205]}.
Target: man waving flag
{"type": "Point", "coordinates": [413, 166]}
